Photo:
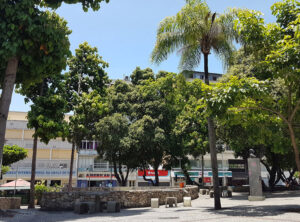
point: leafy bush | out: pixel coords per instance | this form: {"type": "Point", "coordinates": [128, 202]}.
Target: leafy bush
{"type": "Point", "coordinates": [40, 188]}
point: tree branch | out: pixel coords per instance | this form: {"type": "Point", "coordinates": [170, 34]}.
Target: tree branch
{"type": "Point", "coordinates": [266, 109]}
{"type": "Point", "coordinates": [294, 111]}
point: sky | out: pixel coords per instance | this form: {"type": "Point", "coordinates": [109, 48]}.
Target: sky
{"type": "Point", "coordinates": [124, 31]}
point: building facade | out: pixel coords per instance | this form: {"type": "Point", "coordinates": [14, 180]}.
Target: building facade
{"type": "Point", "coordinates": [53, 159]}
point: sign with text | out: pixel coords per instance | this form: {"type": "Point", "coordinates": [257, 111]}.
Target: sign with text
{"type": "Point", "coordinates": [151, 173]}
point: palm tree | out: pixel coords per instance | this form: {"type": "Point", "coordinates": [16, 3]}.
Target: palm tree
{"type": "Point", "coordinates": [195, 31]}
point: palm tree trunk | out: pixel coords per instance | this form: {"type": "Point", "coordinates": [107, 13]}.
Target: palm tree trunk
{"type": "Point", "coordinates": [202, 170]}
{"type": "Point", "coordinates": [212, 146]}
{"type": "Point", "coordinates": [71, 167]}
{"type": "Point", "coordinates": [33, 167]}
{"type": "Point", "coordinates": [7, 90]}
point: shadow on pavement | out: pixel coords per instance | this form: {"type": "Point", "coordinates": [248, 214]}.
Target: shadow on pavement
{"type": "Point", "coordinates": [24, 215]}
{"type": "Point", "coordinates": [255, 211]}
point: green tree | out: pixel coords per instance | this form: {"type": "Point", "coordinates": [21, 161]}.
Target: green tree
{"type": "Point", "coordinates": [112, 135]}
{"type": "Point", "coordinates": [266, 135]}
{"type": "Point", "coordinates": [139, 75]}
{"type": "Point", "coordinates": [149, 141]}
{"type": "Point", "coordinates": [276, 48]}
{"type": "Point", "coordinates": [86, 74]}
{"type": "Point", "coordinates": [46, 116]}
{"type": "Point", "coordinates": [195, 31]}
{"type": "Point", "coordinates": [86, 4]}
{"type": "Point", "coordinates": [29, 51]}
{"type": "Point", "coordinates": [88, 110]}
{"type": "Point", "coordinates": [12, 154]}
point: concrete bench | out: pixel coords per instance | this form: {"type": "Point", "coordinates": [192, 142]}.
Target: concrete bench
{"type": "Point", "coordinates": [187, 201]}
{"type": "Point", "coordinates": [154, 203]}
{"type": "Point", "coordinates": [171, 201]}
{"type": "Point", "coordinates": [203, 191]}
{"type": "Point", "coordinates": [226, 193]}
{"type": "Point", "coordinates": [113, 207]}
{"type": "Point", "coordinates": [84, 207]}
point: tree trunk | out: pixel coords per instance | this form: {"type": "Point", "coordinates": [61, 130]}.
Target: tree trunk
{"type": "Point", "coordinates": [295, 146]}
{"type": "Point", "coordinates": [186, 175]}
{"type": "Point", "coordinates": [202, 170]}
{"type": "Point", "coordinates": [123, 180]}
{"type": "Point", "coordinates": [214, 162]}
{"type": "Point", "coordinates": [71, 167]}
{"type": "Point", "coordinates": [124, 183]}
{"type": "Point", "coordinates": [146, 179]}
{"type": "Point", "coordinates": [212, 146]}
{"type": "Point", "coordinates": [33, 167]}
{"type": "Point", "coordinates": [5, 100]}
{"type": "Point", "coordinates": [156, 176]}
{"type": "Point", "coordinates": [116, 173]}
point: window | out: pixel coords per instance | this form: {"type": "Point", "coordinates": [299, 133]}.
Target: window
{"type": "Point", "coordinates": [215, 78]}
{"type": "Point", "coordinates": [89, 145]}
{"type": "Point", "coordinates": [83, 145]}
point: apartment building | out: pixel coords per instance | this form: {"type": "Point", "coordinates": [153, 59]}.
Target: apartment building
{"type": "Point", "coordinates": [53, 159]}
{"type": "Point", "coordinates": [191, 75]}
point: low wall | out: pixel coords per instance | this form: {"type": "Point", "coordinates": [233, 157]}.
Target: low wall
{"type": "Point", "coordinates": [127, 198]}
{"type": "Point", "coordinates": [10, 203]}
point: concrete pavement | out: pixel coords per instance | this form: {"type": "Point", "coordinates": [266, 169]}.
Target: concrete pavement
{"type": "Point", "coordinates": [284, 206]}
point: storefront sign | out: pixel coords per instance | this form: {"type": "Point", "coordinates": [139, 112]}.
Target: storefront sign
{"type": "Point", "coordinates": [207, 179]}
{"type": "Point", "coordinates": [39, 173]}
{"type": "Point", "coordinates": [151, 173]}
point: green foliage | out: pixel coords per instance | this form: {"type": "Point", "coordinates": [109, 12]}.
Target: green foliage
{"type": "Point", "coordinates": [115, 146]}
{"type": "Point", "coordinates": [139, 75]}
{"type": "Point", "coordinates": [4, 169]}
{"type": "Point", "coordinates": [89, 109]}
{"type": "Point", "coordinates": [41, 188]}
{"type": "Point", "coordinates": [191, 128]}
{"type": "Point", "coordinates": [189, 32]}
{"type": "Point", "coordinates": [120, 98]}
{"type": "Point", "coordinates": [86, 85]}
{"type": "Point", "coordinates": [271, 107]}
{"type": "Point", "coordinates": [149, 141]}
{"type": "Point", "coordinates": [86, 4]}
{"type": "Point", "coordinates": [48, 109]}
{"type": "Point", "coordinates": [12, 154]}
{"type": "Point", "coordinates": [86, 73]}
{"type": "Point", "coordinates": [41, 51]}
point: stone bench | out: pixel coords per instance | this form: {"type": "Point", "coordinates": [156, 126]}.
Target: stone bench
{"type": "Point", "coordinates": [84, 207]}
{"type": "Point", "coordinates": [154, 203]}
{"type": "Point", "coordinates": [187, 201]}
{"type": "Point", "coordinates": [113, 207]}
{"type": "Point", "coordinates": [203, 191]}
{"type": "Point", "coordinates": [171, 201]}
{"type": "Point", "coordinates": [224, 193]}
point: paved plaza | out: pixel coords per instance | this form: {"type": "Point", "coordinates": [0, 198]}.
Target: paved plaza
{"type": "Point", "coordinates": [283, 206]}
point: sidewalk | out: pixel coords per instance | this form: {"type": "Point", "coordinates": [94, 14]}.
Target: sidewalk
{"type": "Point", "coordinates": [284, 206]}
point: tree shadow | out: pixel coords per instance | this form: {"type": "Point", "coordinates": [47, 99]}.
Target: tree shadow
{"type": "Point", "coordinates": [282, 194]}
{"type": "Point", "coordinates": [36, 215]}
{"type": "Point", "coordinates": [255, 211]}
